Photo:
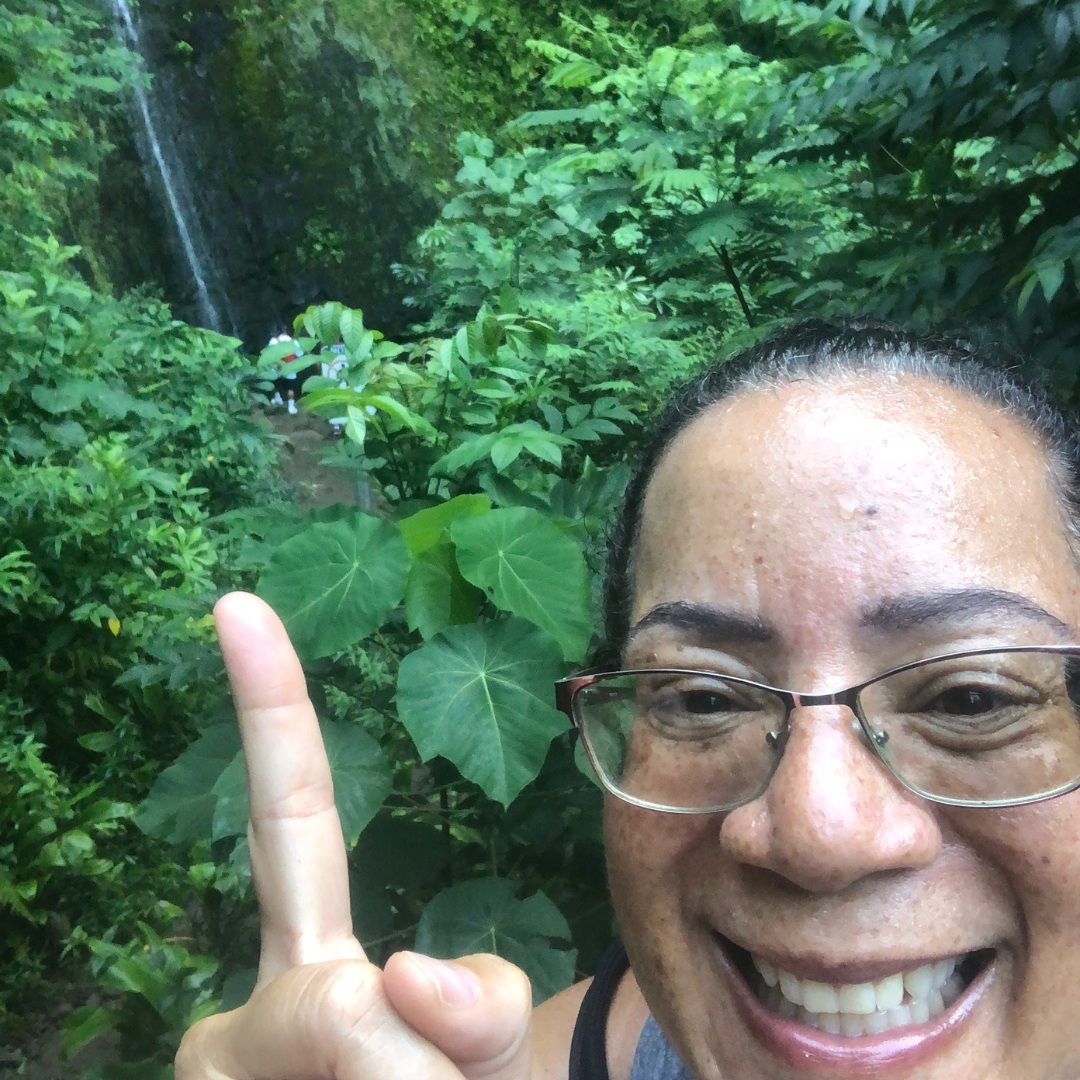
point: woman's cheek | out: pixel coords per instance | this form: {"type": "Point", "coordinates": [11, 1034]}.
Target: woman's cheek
{"type": "Point", "coordinates": [658, 865]}
{"type": "Point", "coordinates": [1035, 852]}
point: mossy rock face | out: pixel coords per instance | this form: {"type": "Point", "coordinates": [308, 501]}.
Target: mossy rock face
{"type": "Point", "coordinates": [319, 138]}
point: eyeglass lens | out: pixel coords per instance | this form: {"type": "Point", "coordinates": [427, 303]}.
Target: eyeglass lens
{"type": "Point", "coordinates": [992, 727]}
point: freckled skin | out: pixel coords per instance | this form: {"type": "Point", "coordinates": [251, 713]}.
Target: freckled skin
{"type": "Point", "coordinates": [803, 506]}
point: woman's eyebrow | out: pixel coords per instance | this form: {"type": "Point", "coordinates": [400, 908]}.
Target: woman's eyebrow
{"type": "Point", "coordinates": [899, 613]}
{"type": "Point", "coordinates": [707, 624]}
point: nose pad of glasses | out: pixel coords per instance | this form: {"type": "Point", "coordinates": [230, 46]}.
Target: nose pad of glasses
{"type": "Point", "coordinates": [777, 739]}
{"type": "Point", "coordinates": [878, 739]}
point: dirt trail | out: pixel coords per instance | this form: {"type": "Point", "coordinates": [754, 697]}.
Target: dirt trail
{"type": "Point", "coordinates": [307, 438]}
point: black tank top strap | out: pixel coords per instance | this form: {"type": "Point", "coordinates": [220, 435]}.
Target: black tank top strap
{"type": "Point", "coordinates": [588, 1051]}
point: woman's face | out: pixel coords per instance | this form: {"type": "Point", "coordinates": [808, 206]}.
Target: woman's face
{"type": "Point", "coordinates": [827, 534]}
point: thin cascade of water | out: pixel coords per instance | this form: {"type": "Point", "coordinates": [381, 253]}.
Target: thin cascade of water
{"type": "Point", "coordinates": [164, 158]}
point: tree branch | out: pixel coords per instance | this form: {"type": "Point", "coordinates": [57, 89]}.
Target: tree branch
{"type": "Point", "coordinates": [733, 278]}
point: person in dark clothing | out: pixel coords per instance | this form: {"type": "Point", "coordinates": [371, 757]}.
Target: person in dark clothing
{"type": "Point", "coordinates": [835, 719]}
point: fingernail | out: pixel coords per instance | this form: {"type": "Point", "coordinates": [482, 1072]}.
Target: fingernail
{"type": "Point", "coordinates": [457, 986]}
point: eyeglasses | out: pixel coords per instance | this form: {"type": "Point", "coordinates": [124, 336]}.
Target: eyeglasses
{"type": "Point", "coordinates": [985, 728]}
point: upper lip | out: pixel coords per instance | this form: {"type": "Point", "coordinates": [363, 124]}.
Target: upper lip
{"type": "Point", "coordinates": [808, 965]}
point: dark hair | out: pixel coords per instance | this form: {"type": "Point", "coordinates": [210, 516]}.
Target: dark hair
{"type": "Point", "coordinates": [824, 350]}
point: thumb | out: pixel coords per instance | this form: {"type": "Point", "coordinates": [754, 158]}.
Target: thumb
{"type": "Point", "coordinates": [476, 1010]}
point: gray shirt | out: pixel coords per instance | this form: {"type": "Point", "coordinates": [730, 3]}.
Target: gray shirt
{"type": "Point", "coordinates": [654, 1058]}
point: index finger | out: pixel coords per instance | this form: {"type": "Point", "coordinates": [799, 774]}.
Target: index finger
{"type": "Point", "coordinates": [298, 857]}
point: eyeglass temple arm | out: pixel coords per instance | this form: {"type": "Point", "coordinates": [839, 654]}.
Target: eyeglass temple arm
{"type": "Point", "coordinates": [565, 689]}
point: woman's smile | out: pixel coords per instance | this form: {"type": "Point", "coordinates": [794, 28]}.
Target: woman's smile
{"type": "Point", "coordinates": [859, 1017]}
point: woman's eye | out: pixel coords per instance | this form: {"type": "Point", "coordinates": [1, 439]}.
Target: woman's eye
{"type": "Point", "coordinates": [968, 701]}
{"type": "Point", "coordinates": [701, 702]}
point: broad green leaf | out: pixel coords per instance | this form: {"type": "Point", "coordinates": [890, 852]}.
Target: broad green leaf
{"type": "Point", "coordinates": [83, 1025]}
{"type": "Point", "coordinates": [1051, 277]}
{"type": "Point", "coordinates": [360, 773]}
{"type": "Point", "coordinates": [335, 583]}
{"type": "Point", "coordinates": [425, 528]}
{"type": "Point", "coordinates": [436, 595]}
{"type": "Point", "coordinates": [531, 568]}
{"type": "Point", "coordinates": [394, 864]}
{"type": "Point", "coordinates": [356, 426]}
{"type": "Point", "coordinates": [482, 696]}
{"type": "Point", "coordinates": [231, 808]}
{"type": "Point", "coordinates": [180, 806]}
{"type": "Point", "coordinates": [67, 396]}
{"type": "Point", "coordinates": [485, 916]}
{"type": "Point", "coordinates": [507, 449]}
{"type": "Point", "coordinates": [468, 453]}
{"type": "Point", "coordinates": [580, 72]}
{"type": "Point", "coordinates": [392, 407]}
{"type": "Point", "coordinates": [351, 325]}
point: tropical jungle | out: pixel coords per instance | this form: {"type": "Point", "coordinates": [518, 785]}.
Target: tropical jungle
{"type": "Point", "coordinates": [484, 239]}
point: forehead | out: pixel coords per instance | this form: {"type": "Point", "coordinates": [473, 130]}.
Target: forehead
{"type": "Point", "coordinates": [806, 503]}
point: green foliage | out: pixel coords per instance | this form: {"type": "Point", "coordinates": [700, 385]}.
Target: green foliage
{"type": "Point", "coordinates": [167, 989]}
{"type": "Point", "coordinates": [528, 567]}
{"type": "Point", "coordinates": [58, 79]}
{"type": "Point", "coordinates": [333, 584]}
{"type": "Point", "coordinates": [913, 160]}
{"type": "Point", "coordinates": [122, 434]}
{"type": "Point", "coordinates": [486, 916]}
{"type": "Point", "coordinates": [962, 122]}
{"type": "Point", "coordinates": [50, 835]}
{"type": "Point", "coordinates": [480, 697]}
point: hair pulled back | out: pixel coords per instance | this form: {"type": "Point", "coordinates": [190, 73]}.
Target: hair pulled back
{"type": "Point", "coordinates": [823, 351]}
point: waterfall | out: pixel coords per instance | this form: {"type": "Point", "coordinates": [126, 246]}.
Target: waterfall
{"type": "Point", "coordinates": [161, 157]}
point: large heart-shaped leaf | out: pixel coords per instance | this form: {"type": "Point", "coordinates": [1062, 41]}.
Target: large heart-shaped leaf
{"type": "Point", "coordinates": [334, 583]}
{"type": "Point", "coordinates": [181, 804]}
{"type": "Point", "coordinates": [360, 772]}
{"type": "Point", "coordinates": [361, 775]}
{"type": "Point", "coordinates": [425, 528]}
{"type": "Point", "coordinates": [485, 916]}
{"type": "Point", "coordinates": [481, 696]}
{"type": "Point", "coordinates": [528, 566]}
{"type": "Point", "coordinates": [436, 595]}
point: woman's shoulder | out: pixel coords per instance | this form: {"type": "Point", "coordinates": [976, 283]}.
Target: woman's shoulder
{"type": "Point", "coordinates": [554, 1022]}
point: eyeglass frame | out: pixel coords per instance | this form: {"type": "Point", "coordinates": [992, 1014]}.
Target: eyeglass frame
{"type": "Point", "coordinates": [567, 689]}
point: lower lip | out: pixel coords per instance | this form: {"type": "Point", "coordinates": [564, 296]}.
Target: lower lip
{"type": "Point", "coordinates": [868, 1055]}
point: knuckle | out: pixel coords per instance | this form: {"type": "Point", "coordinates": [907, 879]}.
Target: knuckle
{"type": "Point", "coordinates": [345, 995]}
{"type": "Point", "coordinates": [194, 1057]}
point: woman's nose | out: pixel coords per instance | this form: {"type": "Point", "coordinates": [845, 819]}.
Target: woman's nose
{"type": "Point", "coordinates": [833, 813]}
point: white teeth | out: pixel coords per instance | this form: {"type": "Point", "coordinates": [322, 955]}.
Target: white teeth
{"type": "Point", "coordinates": [819, 997]}
{"type": "Point", "coordinates": [889, 992]}
{"type": "Point", "coordinates": [851, 1025]}
{"type": "Point", "coordinates": [855, 1009]}
{"type": "Point", "coordinates": [900, 1016]}
{"type": "Point", "coordinates": [857, 998]}
{"type": "Point", "coordinates": [876, 1022]}
{"type": "Point", "coordinates": [920, 982]}
{"type": "Point", "coordinates": [791, 987]}
{"type": "Point", "coordinates": [767, 971]}
{"type": "Point", "coordinates": [942, 970]}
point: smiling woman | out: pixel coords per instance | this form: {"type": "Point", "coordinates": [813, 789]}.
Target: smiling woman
{"type": "Point", "coordinates": [836, 720]}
